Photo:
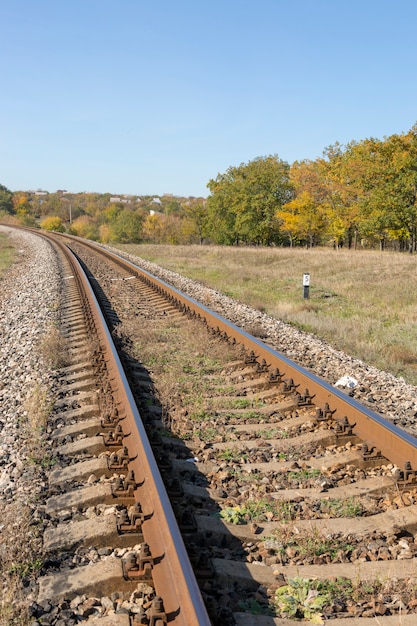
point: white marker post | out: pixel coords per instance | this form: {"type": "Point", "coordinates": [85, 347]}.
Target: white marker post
{"type": "Point", "coordinates": [306, 284]}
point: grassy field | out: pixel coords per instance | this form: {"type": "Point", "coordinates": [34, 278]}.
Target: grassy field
{"type": "Point", "coordinates": [362, 302]}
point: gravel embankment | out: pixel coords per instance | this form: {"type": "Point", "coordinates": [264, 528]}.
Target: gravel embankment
{"type": "Point", "coordinates": [29, 293]}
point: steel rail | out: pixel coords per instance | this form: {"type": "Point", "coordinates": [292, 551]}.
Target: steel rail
{"type": "Point", "coordinates": [394, 443]}
{"type": "Point", "coordinates": [173, 576]}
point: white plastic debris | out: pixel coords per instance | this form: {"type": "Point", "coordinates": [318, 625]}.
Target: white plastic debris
{"type": "Point", "coordinates": [346, 381]}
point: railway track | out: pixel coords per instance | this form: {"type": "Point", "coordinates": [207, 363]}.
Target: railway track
{"type": "Point", "coordinates": [268, 494]}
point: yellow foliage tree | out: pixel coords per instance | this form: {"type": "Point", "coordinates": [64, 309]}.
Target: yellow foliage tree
{"type": "Point", "coordinates": [21, 203]}
{"type": "Point", "coordinates": [152, 229]}
{"type": "Point", "coordinates": [104, 232]}
{"type": "Point", "coordinates": [302, 218]}
{"type": "Point", "coordinates": [53, 222]}
{"type": "Point", "coordinates": [85, 226]}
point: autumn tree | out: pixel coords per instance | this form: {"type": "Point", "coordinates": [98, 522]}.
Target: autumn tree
{"type": "Point", "coordinates": [340, 200]}
{"type": "Point", "coordinates": [367, 188]}
{"type": "Point", "coordinates": [53, 222]}
{"type": "Point", "coordinates": [86, 227]}
{"type": "Point", "coordinates": [23, 209]}
{"type": "Point", "coordinates": [303, 218]}
{"type": "Point", "coordinates": [153, 228]}
{"type": "Point", "coordinates": [104, 233]}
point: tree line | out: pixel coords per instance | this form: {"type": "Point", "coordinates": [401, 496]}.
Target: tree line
{"type": "Point", "coordinates": [361, 194]}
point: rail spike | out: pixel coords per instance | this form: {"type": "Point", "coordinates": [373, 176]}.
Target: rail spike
{"type": "Point", "coordinates": [110, 418]}
{"type": "Point", "coordinates": [138, 565]}
{"type": "Point", "coordinates": [250, 358]}
{"type": "Point", "coordinates": [370, 454]}
{"type": "Point", "coordinates": [157, 613]}
{"type": "Point", "coordinates": [407, 476]}
{"type": "Point", "coordinates": [275, 376]}
{"type": "Point", "coordinates": [343, 428]}
{"type": "Point", "coordinates": [114, 438]}
{"type": "Point", "coordinates": [119, 459]}
{"type": "Point", "coordinates": [305, 399]}
{"type": "Point", "coordinates": [125, 487]}
{"type": "Point", "coordinates": [325, 413]}
{"type": "Point", "coordinates": [288, 386]}
{"type": "Point", "coordinates": [130, 521]}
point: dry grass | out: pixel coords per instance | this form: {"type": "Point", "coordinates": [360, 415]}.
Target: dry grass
{"type": "Point", "coordinates": [186, 379]}
{"type": "Point", "coordinates": [7, 252]}
{"type": "Point", "coordinates": [21, 550]}
{"type": "Point", "coordinates": [38, 407]}
{"type": "Point", "coordinates": [53, 349]}
{"type": "Point", "coordinates": [362, 302]}
{"type": "Point", "coordinates": [19, 563]}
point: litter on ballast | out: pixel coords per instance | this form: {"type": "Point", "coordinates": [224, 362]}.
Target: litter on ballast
{"type": "Point", "coordinates": [346, 381]}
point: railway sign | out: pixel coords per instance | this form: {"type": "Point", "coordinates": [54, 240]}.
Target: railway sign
{"type": "Point", "coordinates": [306, 285]}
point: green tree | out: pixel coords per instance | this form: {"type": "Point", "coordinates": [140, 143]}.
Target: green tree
{"type": "Point", "coordinates": [401, 186]}
{"type": "Point", "coordinates": [221, 219]}
{"type": "Point", "coordinates": [112, 211]}
{"type": "Point", "coordinates": [127, 227]}
{"type": "Point", "coordinates": [196, 212]}
{"type": "Point", "coordinates": [383, 175]}
{"type": "Point", "coordinates": [6, 200]}
{"type": "Point", "coordinates": [244, 202]}
{"type": "Point", "coordinates": [171, 205]}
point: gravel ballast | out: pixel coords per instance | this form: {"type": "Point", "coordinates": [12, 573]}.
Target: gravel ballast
{"type": "Point", "coordinates": [29, 294]}
{"type": "Point", "coordinates": [29, 298]}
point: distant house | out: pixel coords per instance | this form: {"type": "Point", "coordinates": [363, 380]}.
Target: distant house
{"type": "Point", "coordinates": [119, 199]}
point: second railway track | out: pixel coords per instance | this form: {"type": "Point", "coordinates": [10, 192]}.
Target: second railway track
{"type": "Point", "coordinates": [291, 500]}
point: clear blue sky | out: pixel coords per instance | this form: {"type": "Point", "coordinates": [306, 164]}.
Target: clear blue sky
{"type": "Point", "coordinates": [159, 96]}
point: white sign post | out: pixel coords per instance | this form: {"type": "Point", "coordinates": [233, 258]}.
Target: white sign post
{"type": "Point", "coordinates": [306, 284]}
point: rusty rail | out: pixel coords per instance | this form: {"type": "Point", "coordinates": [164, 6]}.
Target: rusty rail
{"type": "Point", "coordinates": [172, 574]}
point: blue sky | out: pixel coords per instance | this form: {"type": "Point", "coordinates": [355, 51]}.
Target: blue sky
{"type": "Point", "coordinates": [160, 96]}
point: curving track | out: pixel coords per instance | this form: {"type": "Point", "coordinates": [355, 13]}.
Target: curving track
{"type": "Point", "coordinates": [292, 450]}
